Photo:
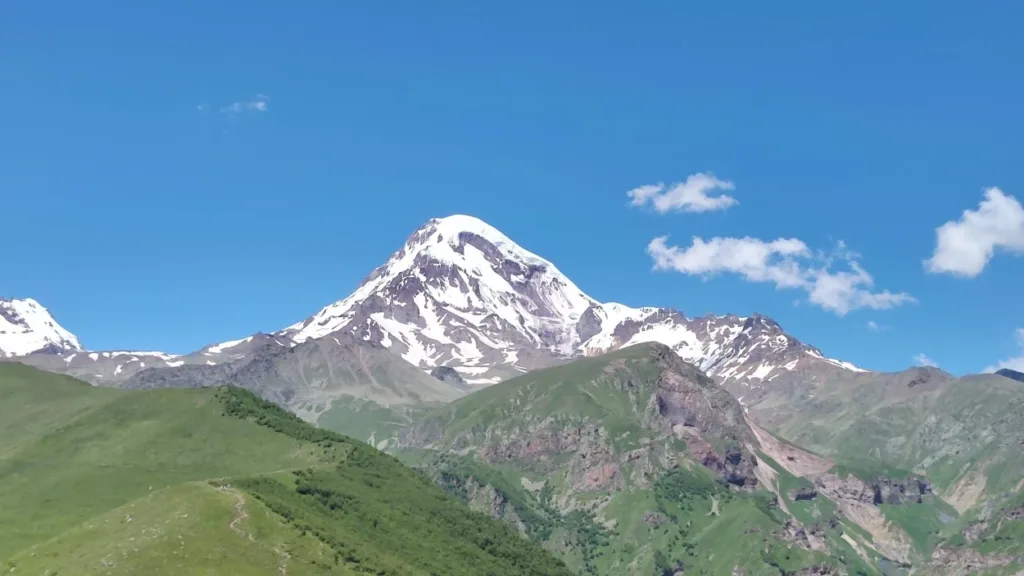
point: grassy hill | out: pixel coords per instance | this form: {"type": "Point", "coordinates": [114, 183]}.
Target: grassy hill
{"type": "Point", "coordinates": [632, 463]}
{"type": "Point", "coordinates": [201, 481]}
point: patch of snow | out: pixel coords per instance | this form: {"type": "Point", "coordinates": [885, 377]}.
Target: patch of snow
{"type": "Point", "coordinates": [762, 371]}
{"type": "Point", "coordinates": [218, 348]}
{"type": "Point", "coordinates": [472, 370]}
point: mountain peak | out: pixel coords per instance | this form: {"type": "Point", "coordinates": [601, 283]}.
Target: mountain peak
{"type": "Point", "coordinates": [458, 223]}
{"type": "Point", "coordinates": [1011, 374]}
{"type": "Point", "coordinates": [460, 293]}
{"type": "Point", "coordinates": [26, 326]}
{"type": "Point", "coordinates": [457, 229]}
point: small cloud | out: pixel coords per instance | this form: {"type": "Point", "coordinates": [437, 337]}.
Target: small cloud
{"type": "Point", "coordinates": [876, 327]}
{"type": "Point", "coordinates": [1015, 363]}
{"type": "Point", "coordinates": [922, 360]}
{"type": "Point", "coordinates": [785, 262]}
{"type": "Point", "coordinates": [689, 196]}
{"type": "Point", "coordinates": [203, 108]}
{"type": "Point", "coordinates": [256, 104]}
{"type": "Point", "coordinates": [965, 246]}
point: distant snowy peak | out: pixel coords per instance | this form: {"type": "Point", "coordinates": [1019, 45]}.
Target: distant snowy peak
{"type": "Point", "coordinates": [747, 352]}
{"type": "Point", "coordinates": [460, 293]}
{"type": "Point", "coordinates": [27, 327]}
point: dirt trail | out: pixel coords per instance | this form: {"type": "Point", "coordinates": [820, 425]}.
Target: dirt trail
{"type": "Point", "coordinates": [240, 512]}
{"type": "Point", "coordinates": [282, 568]}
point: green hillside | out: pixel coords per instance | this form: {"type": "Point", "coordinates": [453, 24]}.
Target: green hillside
{"type": "Point", "coordinates": [204, 481]}
{"type": "Point", "coordinates": [632, 463]}
{"type": "Point", "coordinates": [966, 435]}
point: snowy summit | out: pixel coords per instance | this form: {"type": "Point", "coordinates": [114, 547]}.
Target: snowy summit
{"type": "Point", "coordinates": [27, 327]}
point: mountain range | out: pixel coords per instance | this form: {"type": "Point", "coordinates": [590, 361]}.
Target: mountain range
{"type": "Point", "coordinates": [623, 440]}
{"type": "Point", "coordinates": [461, 294]}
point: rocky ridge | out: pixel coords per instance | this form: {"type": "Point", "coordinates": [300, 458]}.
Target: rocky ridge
{"type": "Point", "coordinates": [113, 367]}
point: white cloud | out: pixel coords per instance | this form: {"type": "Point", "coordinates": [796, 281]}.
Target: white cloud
{"type": "Point", "coordinates": [689, 196]}
{"type": "Point", "coordinates": [876, 327]}
{"type": "Point", "coordinates": [784, 262]}
{"type": "Point", "coordinates": [203, 108]}
{"type": "Point", "coordinates": [922, 360]}
{"type": "Point", "coordinates": [1015, 363]}
{"type": "Point", "coordinates": [256, 104]}
{"type": "Point", "coordinates": [965, 246]}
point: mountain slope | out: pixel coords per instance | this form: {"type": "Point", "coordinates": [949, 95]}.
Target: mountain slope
{"type": "Point", "coordinates": [626, 463]}
{"type": "Point", "coordinates": [618, 462]}
{"type": "Point", "coordinates": [178, 481]}
{"type": "Point", "coordinates": [27, 327]}
{"type": "Point", "coordinates": [965, 434]}
{"type": "Point", "coordinates": [310, 377]}
{"type": "Point", "coordinates": [460, 293]}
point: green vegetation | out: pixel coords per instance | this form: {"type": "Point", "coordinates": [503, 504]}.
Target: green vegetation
{"type": "Point", "coordinates": [369, 421]}
{"type": "Point", "coordinates": [100, 449]}
{"type": "Point", "coordinates": [923, 521]}
{"type": "Point", "coordinates": [577, 532]}
{"type": "Point", "coordinates": [620, 495]}
{"type": "Point", "coordinates": [458, 475]}
{"type": "Point", "coordinates": [958, 432]}
{"type": "Point", "coordinates": [183, 529]}
{"type": "Point", "coordinates": [196, 481]}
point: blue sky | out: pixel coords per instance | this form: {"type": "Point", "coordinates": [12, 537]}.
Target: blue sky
{"type": "Point", "coordinates": [148, 212]}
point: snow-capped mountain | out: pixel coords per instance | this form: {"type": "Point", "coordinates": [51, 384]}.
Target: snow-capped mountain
{"type": "Point", "coordinates": [463, 295]}
{"type": "Point", "coordinates": [27, 327]}
{"type": "Point", "coordinates": [460, 293]}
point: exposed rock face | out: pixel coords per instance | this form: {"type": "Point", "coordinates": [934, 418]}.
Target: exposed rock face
{"type": "Point", "coordinates": [688, 405]}
{"type": "Point", "coordinates": [655, 518]}
{"type": "Point", "coordinates": [858, 500]}
{"type": "Point", "coordinates": [881, 490]}
{"type": "Point", "coordinates": [448, 374]}
{"type": "Point", "coordinates": [810, 538]}
{"type": "Point", "coordinates": [799, 494]}
{"type": "Point", "coordinates": [965, 561]}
